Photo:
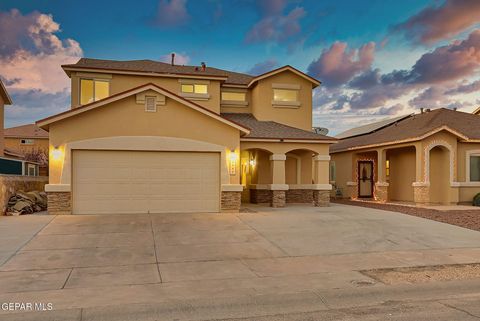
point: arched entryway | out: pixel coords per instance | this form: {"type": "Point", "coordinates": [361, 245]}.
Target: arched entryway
{"type": "Point", "coordinates": [439, 171]}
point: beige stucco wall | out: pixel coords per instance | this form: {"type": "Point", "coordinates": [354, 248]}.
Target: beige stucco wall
{"type": "Point", "coordinates": [343, 170]}
{"type": "Point", "coordinates": [120, 83]}
{"type": "Point", "coordinates": [262, 96]}
{"type": "Point", "coordinates": [38, 144]}
{"type": "Point", "coordinates": [127, 118]}
{"type": "Point", "coordinates": [402, 174]}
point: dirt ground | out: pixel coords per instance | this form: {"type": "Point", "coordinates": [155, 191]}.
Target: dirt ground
{"type": "Point", "coordinates": [463, 218]}
{"type": "Point", "coordinates": [423, 274]}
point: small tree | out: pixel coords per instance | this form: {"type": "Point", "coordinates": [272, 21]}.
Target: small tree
{"type": "Point", "coordinates": [37, 155]}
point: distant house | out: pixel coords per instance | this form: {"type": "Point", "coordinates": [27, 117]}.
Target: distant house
{"type": "Point", "coordinates": [427, 158]}
{"type": "Point", "coordinates": [12, 161]}
{"type": "Point", "coordinates": [26, 139]}
{"type": "Point", "coordinates": [476, 111]}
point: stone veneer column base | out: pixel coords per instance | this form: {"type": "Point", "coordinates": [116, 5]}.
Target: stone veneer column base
{"type": "Point", "coordinates": [299, 196]}
{"type": "Point", "coordinates": [321, 198]}
{"type": "Point", "coordinates": [231, 201]}
{"type": "Point", "coordinates": [59, 203]}
{"type": "Point", "coordinates": [278, 199]}
{"type": "Point", "coordinates": [421, 193]}
{"type": "Point", "coordinates": [352, 190]}
{"type": "Point", "coordinates": [381, 192]}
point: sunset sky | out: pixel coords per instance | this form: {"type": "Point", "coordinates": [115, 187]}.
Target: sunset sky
{"type": "Point", "coordinates": [375, 59]}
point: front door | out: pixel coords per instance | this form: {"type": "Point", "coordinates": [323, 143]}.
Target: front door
{"type": "Point", "coordinates": [365, 179]}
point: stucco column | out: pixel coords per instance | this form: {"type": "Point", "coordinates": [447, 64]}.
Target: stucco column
{"type": "Point", "coordinates": [381, 185]}
{"type": "Point", "coordinates": [421, 188]}
{"type": "Point", "coordinates": [278, 186]}
{"type": "Point", "coordinates": [322, 187]}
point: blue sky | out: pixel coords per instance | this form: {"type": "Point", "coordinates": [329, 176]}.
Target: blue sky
{"type": "Point", "coordinates": [358, 49]}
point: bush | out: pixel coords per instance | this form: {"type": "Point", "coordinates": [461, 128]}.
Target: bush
{"type": "Point", "coordinates": [476, 200]}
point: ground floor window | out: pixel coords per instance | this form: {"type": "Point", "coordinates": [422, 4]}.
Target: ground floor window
{"type": "Point", "coordinates": [333, 173]}
{"type": "Point", "coordinates": [475, 168]}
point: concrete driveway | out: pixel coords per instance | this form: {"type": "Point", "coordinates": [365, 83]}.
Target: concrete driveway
{"type": "Point", "coordinates": [93, 266]}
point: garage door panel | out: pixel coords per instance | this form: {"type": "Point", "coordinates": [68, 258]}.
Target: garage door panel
{"type": "Point", "coordinates": [143, 182]}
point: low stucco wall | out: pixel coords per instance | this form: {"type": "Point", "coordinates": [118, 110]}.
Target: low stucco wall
{"type": "Point", "coordinates": [10, 184]}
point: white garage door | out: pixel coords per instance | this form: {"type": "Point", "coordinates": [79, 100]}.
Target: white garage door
{"type": "Point", "coordinates": [145, 182]}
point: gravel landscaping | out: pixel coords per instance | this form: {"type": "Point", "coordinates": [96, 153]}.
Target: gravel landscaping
{"type": "Point", "coordinates": [465, 218]}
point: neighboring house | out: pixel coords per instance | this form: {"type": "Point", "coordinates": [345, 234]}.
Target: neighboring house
{"type": "Point", "coordinates": [26, 139]}
{"type": "Point", "coordinates": [28, 142]}
{"type": "Point", "coordinates": [427, 158]}
{"type": "Point", "coordinates": [12, 161]}
{"type": "Point", "coordinates": [144, 136]}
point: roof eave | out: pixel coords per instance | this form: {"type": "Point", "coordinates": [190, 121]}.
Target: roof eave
{"type": "Point", "coordinates": [270, 73]}
{"type": "Point", "coordinates": [6, 97]}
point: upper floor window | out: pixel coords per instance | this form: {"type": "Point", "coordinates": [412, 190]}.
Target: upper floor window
{"type": "Point", "coordinates": [195, 88]}
{"type": "Point", "coordinates": [92, 90]}
{"type": "Point", "coordinates": [27, 141]}
{"type": "Point", "coordinates": [475, 168]}
{"type": "Point", "coordinates": [233, 96]}
{"type": "Point", "coordinates": [285, 95]}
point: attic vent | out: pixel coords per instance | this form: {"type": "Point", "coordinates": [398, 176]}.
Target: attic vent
{"type": "Point", "coordinates": [150, 104]}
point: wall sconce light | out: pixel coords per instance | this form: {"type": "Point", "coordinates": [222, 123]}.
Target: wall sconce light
{"type": "Point", "coordinates": [57, 153]}
{"type": "Point", "coordinates": [233, 162]}
{"type": "Point", "coordinates": [252, 162]}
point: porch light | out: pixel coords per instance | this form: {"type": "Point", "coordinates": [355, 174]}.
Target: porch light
{"type": "Point", "coordinates": [233, 162]}
{"type": "Point", "coordinates": [57, 153]}
{"type": "Point", "coordinates": [252, 162]}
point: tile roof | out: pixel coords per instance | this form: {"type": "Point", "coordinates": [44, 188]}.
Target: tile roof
{"type": "Point", "coordinates": [416, 126]}
{"type": "Point", "coordinates": [25, 131]}
{"type": "Point", "coordinates": [151, 66]}
{"type": "Point", "coordinates": [273, 130]}
{"type": "Point", "coordinates": [366, 129]}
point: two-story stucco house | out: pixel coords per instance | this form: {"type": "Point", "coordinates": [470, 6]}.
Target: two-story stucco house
{"type": "Point", "coordinates": [148, 137]}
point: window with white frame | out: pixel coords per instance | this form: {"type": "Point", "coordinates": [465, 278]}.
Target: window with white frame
{"type": "Point", "coordinates": [285, 95]}
{"type": "Point", "coordinates": [31, 170]}
{"type": "Point", "coordinates": [333, 171]}
{"type": "Point", "coordinates": [93, 89]}
{"type": "Point", "coordinates": [195, 88]}
{"type": "Point", "coordinates": [474, 167]}
{"type": "Point", "coordinates": [27, 141]}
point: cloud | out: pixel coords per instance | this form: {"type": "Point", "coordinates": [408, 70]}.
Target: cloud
{"type": "Point", "coordinates": [31, 53]}
{"type": "Point", "coordinates": [337, 65]}
{"type": "Point", "coordinates": [465, 88]}
{"type": "Point", "coordinates": [172, 13]}
{"type": "Point", "coordinates": [180, 59]}
{"type": "Point", "coordinates": [392, 110]}
{"type": "Point", "coordinates": [32, 105]}
{"type": "Point", "coordinates": [262, 67]}
{"type": "Point", "coordinates": [436, 23]}
{"type": "Point", "coordinates": [274, 26]}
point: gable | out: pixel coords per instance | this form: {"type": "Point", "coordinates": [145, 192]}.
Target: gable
{"type": "Point", "coordinates": [45, 123]}
{"type": "Point", "coordinates": [127, 117]}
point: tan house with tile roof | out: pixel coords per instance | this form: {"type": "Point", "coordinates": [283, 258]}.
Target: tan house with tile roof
{"type": "Point", "coordinates": [427, 158]}
{"type": "Point", "coordinates": [26, 138]}
{"type": "Point", "coordinates": [145, 137]}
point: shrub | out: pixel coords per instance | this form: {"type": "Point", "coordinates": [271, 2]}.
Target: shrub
{"type": "Point", "coordinates": [476, 200]}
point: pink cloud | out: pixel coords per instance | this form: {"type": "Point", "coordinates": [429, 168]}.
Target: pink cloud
{"type": "Point", "coordinates": [276, 27]}
{"type": "Point", "coordinates": [465, 88]}
{"type": "Point", "coordinates": [337, 65]}
{"type": "Point", "coordinates": [172, 13]}
{"type": "Point", "coordinates": [435, 23]}
{"type": "Point", "coordinates": [31, 53]}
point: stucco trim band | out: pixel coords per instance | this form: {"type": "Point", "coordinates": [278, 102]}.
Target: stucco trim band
{"type": "Point", "coordinates": [58, 188]}
{"type": "Point", "coordinates": [317, 187]}
{"type": "Point", "coordinates": [271, 187]}
{"type": "Point", "coordinates": [231, 188]}
{"type": "Point", "coordinates": [320, 158]}
{"type": "Point", "coordinates": [278, 157]}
